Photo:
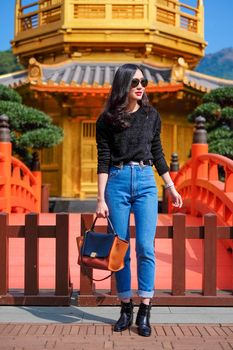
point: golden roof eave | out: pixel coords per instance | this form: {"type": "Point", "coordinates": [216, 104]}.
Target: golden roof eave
{"type": "Point", "coordinates": [102, 90]}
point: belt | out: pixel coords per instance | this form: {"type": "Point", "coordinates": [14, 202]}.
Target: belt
{"type": "Point", "coordinates": [141, 162]}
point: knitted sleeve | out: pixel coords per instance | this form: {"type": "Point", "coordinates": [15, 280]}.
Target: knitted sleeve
{"type": "Point", "coordinates": [103, 150]}
{"type": "Point", "coordinates": [157, 150]}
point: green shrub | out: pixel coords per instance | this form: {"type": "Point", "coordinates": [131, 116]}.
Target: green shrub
{"type": "Point", "coordinates": [30, 128]}
{"type": "Point", "coordinates": [217, 109]}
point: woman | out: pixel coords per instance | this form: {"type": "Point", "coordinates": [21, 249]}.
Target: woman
{"type": "Point", "coordinates": [128, 143]}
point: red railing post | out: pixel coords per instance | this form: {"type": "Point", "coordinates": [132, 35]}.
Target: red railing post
{"type": "Point", "coordinates": [228, 181]}
{"type": "Point", "coordinates": [86, 274]}
{"type": "Point", "coordinates": [4, 254]}
{"type": "Point", "coordinates": [62, 254]}
{"type": "Point", "coordinates": [199, 147]}
{"type": "Point", "coordinates": [45, 198]}
{"type": "Point", "coordinates": [38, 176]}
{"type": "Point", "coordinates": [31, 276]}
{"type": "Point", "coordinates": [210, 258]}
{"type": "Point", "coordinates": [178, 254]}
{"type": "Point", "coordinates": [113, 285]}
{"type": "Point", "coordinates": [5, 164]}
{"type": "Point", "coordinates": [174, 168]}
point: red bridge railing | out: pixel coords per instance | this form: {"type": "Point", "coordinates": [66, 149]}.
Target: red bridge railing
{"type": "Point", "coordinates": [210, 233]}
{"type": "Point", "coordinates": [201, 189]}
{"type": "Point", "coordinates": [32, 232]}
{"type": "Point", "coordinates": [20, 188]}
{"type": "Point", "coordinates": [206, 182]}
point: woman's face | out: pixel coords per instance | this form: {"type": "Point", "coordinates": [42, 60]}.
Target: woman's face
{"type": "Point", "coordinates": [135, 93]}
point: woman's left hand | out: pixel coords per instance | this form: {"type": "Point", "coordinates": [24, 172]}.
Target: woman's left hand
{"type": "Point", "coordinates": [175, 197]}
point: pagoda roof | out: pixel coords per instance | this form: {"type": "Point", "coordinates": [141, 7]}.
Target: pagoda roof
{"type": "Point", "coordinates": [14, 79]}
{"type": "Point", "coordinates": [92, 77]}
{"type": "Point", "coordinates": [204, 82]}
{"type": "Point", "coordinates": [97, 77]}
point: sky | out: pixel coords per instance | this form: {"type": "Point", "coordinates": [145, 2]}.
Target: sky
{"type": "Point", "coordinates": [218, 24]}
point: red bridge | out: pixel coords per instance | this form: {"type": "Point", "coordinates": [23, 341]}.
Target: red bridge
{"type": "Point", "coordinates": [20, 188]}
{"type": "Point", "coordinates": [205, 182]}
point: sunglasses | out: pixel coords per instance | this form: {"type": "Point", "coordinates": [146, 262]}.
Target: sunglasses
{"type": "Point", "coordinates": [135, 82]}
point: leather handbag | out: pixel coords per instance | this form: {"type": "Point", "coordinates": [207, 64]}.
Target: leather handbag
{"type": "Point", "coordinates": [104, 251]}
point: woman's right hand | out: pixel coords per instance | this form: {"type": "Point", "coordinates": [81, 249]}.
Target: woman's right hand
{"type": "Point", "coordinates": [102, 209]}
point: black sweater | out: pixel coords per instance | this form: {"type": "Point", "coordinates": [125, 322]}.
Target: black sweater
{"type": "Point", "coordinates": [139, 141]}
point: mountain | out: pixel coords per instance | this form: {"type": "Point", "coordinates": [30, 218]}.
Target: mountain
{"type": "Point", "coordinates": [219, 64]}
{"type": "Point", "coordinates": [8, 62]}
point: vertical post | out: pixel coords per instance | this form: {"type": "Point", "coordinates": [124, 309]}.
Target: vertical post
{"type": "Point", "coordinates": [4, 254]}
{"type": "Point", "coordinates": [113, 285]}
{"type": "Point", "coordinates": [86, 274]}
{"type": "Point", "coordinates": [45, 198]}
{"type": "Point", "coordinates": [174, 168]}
{"type": "Point", "coordinates": [108, 12]}
{"type": "Point", "coordinates": [178, 255]}
{"type": "Point", "coordinates": [67, 12]}
{"type": "Point", "coordinates": [31, 272]}
{"type": "Point", "coordinates": [177, 15]}
{"type": "Point", "coordinates": [37, 174]}
{"type": "Point", "coordinates": [228, 181]}
{"type": "Point", "coordinates": [151, 13]}
{"type": "Point", "coordinates": [62, 254]}
{"type": "Point", "coordinates": [17, 19]}
{"type": "Point", "coordinates": [40, 14]}
{"type": "Point", "coordinates": [5, 164]}
{"type": "Point", "coordinates": [200, 21]}
{"type": "Point", "coordinates": [199, 147]}
{"type": "Point", "coordinates": [210, 258]}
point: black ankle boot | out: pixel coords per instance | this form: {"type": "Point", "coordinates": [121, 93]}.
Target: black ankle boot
{"type": "Point", "coordinates": [143, 320]}
{"type": "Point", "coordinates": [126, 318]}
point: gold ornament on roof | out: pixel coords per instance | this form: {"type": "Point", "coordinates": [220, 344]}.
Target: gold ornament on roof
{"type": "Point", "coordinates": [34, 71]}
{"type": "Point", "coordinates": [178, 70]}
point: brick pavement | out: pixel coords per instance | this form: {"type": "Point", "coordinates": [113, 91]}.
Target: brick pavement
{"type": "Point", "coordinates": [17, 336]}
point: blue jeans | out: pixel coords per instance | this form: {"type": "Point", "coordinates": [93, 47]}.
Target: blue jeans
{"type": "Point", "coordinates": [133, 187]}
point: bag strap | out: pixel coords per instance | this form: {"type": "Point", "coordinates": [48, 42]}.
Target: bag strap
{"type": "Point", "coordinates": [94, 279]}
{"type": "Point", "coordinates": [109, 222]}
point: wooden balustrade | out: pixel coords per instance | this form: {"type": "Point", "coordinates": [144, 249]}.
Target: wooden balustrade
{"type": "Point", "coordinates": [39, 13]}
{"type": "Point", "coordinates": [32, 232]}
{"type": "Point", "coordinates": [209, 233]}
{"type": "Point", "coordinates": [170, 12]}
{"type": "Point", "coordinates": [214, 161]}
{"type": "Point", "coordinates": [177, 14]}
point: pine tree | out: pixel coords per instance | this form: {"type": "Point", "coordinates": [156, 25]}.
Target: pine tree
{"type": "Point", "coordinates": [217, 108]}
{"type": "Point", "coordinates": [31, 129]}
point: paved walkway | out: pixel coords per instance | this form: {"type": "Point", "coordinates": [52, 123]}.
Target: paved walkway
{"type": "Point", "coordinates": [66, 328]}
{"type": "Point", "coordinates": [18, 336]}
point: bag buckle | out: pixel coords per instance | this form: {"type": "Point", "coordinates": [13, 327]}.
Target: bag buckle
{"type": "Point", "coordinates": [93, 254]}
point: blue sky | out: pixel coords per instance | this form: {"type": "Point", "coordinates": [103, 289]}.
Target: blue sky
{"type": "Point", "coordinates": [218, 24]}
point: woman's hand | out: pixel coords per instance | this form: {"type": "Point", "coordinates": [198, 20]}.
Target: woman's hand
{"type": "Point", "coordinates": [175, 197]}
{"type": "Point", "coordinates": [102, 209]}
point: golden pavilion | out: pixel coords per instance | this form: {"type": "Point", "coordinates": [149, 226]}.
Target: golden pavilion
{"type": "Point", "coordinates": [72, 48]}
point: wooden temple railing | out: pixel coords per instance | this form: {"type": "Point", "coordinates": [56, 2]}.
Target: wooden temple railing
{"type": "Point", "coordinates": [169, 12]}
{"type": "Point", "coordinates": [210, 233]}
{"type": "Point", "coordinates": [20, 188]}
{"type": "Point", "coordinates": [39, 13]}
{"type": "Point", "coordinates": [32, 232]}
{"type": "Point", "coordinates": [178, 14]}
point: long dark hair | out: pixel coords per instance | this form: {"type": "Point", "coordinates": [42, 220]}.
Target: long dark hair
{"type": "Point", "coordinates": [115, 112]}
